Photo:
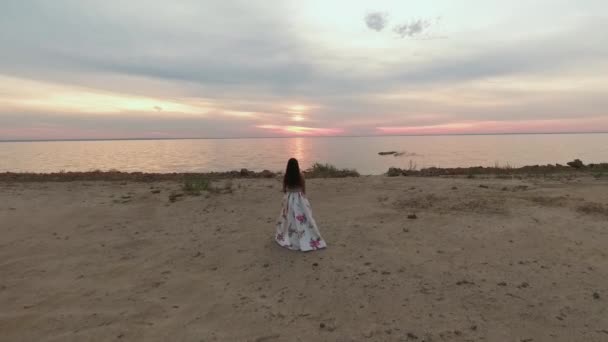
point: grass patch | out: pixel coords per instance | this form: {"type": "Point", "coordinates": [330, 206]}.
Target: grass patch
{"type": "Point", "coordinates": [559, 201]}
{"type": "Point", "coordinates": [421, 202]}
{"type": "Point", "coordinates": [592, 208]}
{"type": "Point", "coordinates": [319, 170]}
{"type": "Point", "coordinates": [196, 185]}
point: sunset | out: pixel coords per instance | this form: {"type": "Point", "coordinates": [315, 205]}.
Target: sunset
{"type": "Point", "coordinates": [338, 68]}
{"type": "Point", "coordinates": [304, 170]}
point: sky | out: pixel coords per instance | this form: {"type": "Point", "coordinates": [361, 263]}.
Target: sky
{"type": "Point", "coordinates": [88, 69]}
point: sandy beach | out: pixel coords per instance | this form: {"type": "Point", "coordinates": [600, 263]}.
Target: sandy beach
{"type": "Point", "coordinates": [484, 259]}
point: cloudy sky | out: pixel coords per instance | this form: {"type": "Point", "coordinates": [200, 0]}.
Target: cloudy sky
{"type": "Point", "coordinates": [246, 68]}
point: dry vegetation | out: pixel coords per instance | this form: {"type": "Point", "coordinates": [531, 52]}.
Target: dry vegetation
{"type": "Point", "coordinates": [591, 208]}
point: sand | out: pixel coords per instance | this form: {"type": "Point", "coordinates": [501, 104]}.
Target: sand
{"type": "Point", "coordinates": [486, 259]}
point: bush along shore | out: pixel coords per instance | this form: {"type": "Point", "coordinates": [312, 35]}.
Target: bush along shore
{"type": "Point", "coordinates": [574, 166]}
{"type": "Point", "coordinates": [316, 171]}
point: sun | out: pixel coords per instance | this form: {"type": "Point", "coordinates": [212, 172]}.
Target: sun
{"type": "Point", "coordinates": [296, 109]}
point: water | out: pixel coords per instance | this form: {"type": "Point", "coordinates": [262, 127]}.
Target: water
{"type": "Point", "coordinates": [360, 153]}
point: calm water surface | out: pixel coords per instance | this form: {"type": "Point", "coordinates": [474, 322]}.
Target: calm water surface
{"type": "Point", "coordinates": [360, 153]}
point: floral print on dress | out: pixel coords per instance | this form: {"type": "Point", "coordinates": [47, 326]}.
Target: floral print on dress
{"type": "Point", "coordinates": [315, 244]}
{"type": "Point", "coordinates": [296, 229]}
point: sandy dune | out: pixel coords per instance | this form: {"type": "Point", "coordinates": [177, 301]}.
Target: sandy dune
{"type": "Point", "coordinates": [485, 260]}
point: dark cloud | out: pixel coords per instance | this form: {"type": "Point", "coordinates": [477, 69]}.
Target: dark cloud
{"type": "Point", "coordinates": [412, 29]}
{"type": "Point", "coordinates": [376, 21]}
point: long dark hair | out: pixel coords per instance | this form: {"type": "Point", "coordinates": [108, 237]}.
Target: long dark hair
{"type": "Point", "coordinates": [293, 177]}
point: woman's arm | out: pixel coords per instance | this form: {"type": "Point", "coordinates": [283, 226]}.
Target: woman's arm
{"type": "Point", "coordinates": [303, 185]}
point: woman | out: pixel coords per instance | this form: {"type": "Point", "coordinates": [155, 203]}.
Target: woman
{"type": "Point", "coordinates": [296, 228]}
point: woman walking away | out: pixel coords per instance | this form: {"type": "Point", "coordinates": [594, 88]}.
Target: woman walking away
{"type": "Point", "coordinates": [296, 228]}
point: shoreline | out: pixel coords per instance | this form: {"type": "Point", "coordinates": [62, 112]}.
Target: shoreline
{"type": "Point", "coordinates": [328, 171]}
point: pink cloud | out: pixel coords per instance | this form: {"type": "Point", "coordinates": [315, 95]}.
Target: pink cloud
{"type": "Point", "coordinates": [300, 130]}
{"type": "Point", "coordinates": [526, 126]}
{"type": "Point", "coordinates": [432, 129]}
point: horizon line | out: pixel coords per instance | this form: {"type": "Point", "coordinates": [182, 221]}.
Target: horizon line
{"type": "Point", "coordinates": [299, 136]}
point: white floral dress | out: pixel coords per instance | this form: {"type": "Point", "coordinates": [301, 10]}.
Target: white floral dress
{"type": "Point", "coordinates": [296, 228]}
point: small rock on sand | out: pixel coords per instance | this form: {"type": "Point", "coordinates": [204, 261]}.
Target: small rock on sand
{"type": "Point", "coordinates": [411, 336]}
{"type": "Point", "coordinates": [412, 216]}
{"type": "Point", "coordinates": [175, 197]}
{"type": "Point", "coordinates": [267, 338]}
{"type": "Point", "coordinates": [464, 282]}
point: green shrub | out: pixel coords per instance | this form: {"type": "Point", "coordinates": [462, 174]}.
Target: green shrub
{"type": "Point", "coordinates": [194, 186]}
{"type": "Point", "coordinates": [319, 170]}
